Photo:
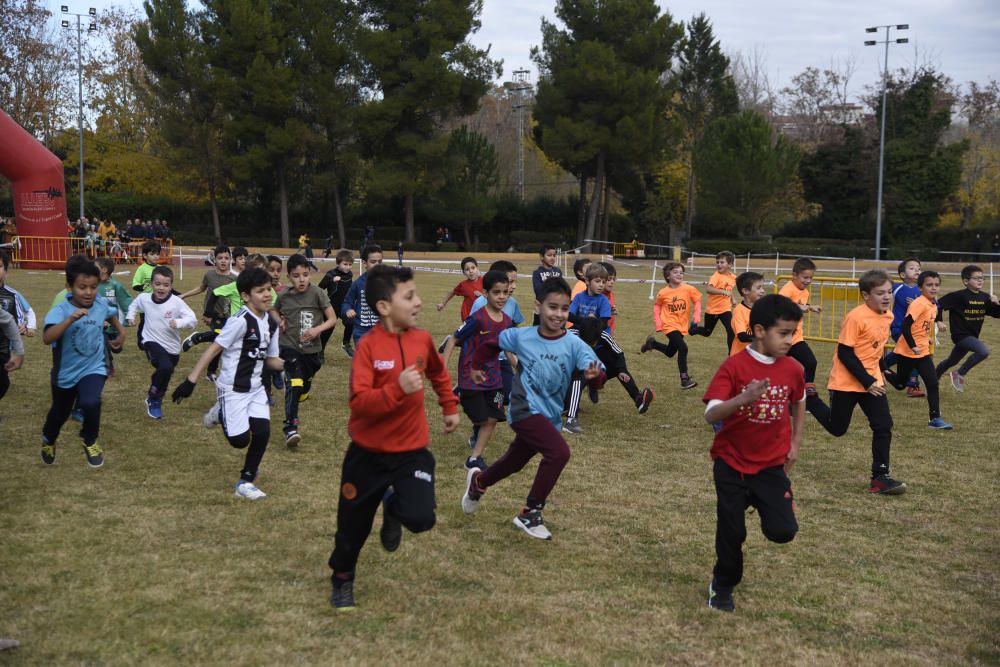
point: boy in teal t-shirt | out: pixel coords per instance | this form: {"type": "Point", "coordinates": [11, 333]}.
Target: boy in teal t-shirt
{"type": "Point", "coordinates": [143, 277]}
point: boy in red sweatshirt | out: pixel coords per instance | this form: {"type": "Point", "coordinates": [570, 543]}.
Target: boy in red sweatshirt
{"type": "Point", "coordinates": [387, 460]}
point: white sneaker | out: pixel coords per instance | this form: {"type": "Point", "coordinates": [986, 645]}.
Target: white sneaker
{"type": "Point", "coordinates": [249, 491]}
{"type": "Point", "coordinates": [470, 501]}
{"type": "Point", "coordinates": [532, 523]}
{"type": "Point", "coordinates": [957, 381]}
{"type": "Point", "coordinates": [211, 417]}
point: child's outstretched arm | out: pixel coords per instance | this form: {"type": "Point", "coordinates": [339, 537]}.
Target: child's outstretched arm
{"type": "Point", "coordinates": [725, 409]}
{"type": "Point", "coordinates": [54, 332]}
{"type": "Point", "coordinates": [444, 303]}
{"type": "Point", "coordinates": [185, 389]}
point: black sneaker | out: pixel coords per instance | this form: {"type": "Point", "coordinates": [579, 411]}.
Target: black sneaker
{"type": "Point", "coordinates": [444, 344]}
{"type": "Point", "coordinates": [720, 597]}
{"type": "Point", "coordinates": [391, 532]}
{"type": "Point", "coordinates": [883, 484]}
{"type": "Point", "coordinates": [688, 383]}
{"type": "Point", "coordinates": [348, 350]}
{"type": "Point", "coordinates": [292, 437]}
{"type": "Point", "coordinates": [48, 453]}
{"type": "Point", "coordinates": [189, 342]}
{"type": "Point", "coordinates": [478, 462]}
{"type": "Point", "coordinates": [342, 598]}
{"type": "Point", "coordinates": [595, 396]}
{"type": "Point", "coordinates": [94, 454]}
{"type": "Point", "coordinates": [645, 398]}
{"type": "Point", "coordinates": [648, 345]}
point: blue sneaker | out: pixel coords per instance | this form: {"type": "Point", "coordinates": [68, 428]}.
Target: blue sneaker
{"type": "Point", "coordinates": [939, 424]}
{"type": "Point", "coordinates": [278, 381]}
{"type": "Point", "coordinates": [154, 408]}
{"type": "Point", "coordinates": [77, 415]}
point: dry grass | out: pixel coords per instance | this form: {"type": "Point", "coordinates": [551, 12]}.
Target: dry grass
{"type": "Point", "coordinates": [150, 560]}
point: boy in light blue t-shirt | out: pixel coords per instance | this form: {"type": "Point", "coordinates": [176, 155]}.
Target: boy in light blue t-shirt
{"type": "Point", "coordinates": [74, 329]}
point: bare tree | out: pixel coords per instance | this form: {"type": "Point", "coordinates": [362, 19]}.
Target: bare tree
{"type": "Point", "coordinates": [818, 103]}
{"type": "Point", "coordinates": [753, 82]}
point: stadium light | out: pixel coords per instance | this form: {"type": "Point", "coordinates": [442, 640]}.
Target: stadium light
{"type": "Point", "coordinates": [91, 27]}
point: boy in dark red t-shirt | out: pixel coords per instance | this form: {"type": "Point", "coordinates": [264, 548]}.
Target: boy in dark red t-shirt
{"type": "Point", "coordinates": [756, 403]}
{"type": "Point", "coordinates": [469, 289]}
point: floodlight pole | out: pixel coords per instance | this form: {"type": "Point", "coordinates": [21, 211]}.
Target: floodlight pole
{"type": "Point", "coordinates": [79, 81]}
{"type": "Point", "coordinates": [521, 81]}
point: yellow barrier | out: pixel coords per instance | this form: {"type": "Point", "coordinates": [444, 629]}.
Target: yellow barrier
{"type": "Point", "coordinates": [630, 249]}
{"type": "Point", "coordinates": [54, 250]}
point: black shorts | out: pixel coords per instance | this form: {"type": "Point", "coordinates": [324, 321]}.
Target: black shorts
{"type": "Point", "coordinates": [482, 405]}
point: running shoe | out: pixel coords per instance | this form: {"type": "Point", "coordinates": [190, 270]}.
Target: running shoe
{"type": "Point", "coordinates": [720, 597]}
{"type": "Point", "coordinates": [94, 454]}
{"type": "Point", "coordinates": [883, 484]}
{"type": "Point", "coordinates": [248, 491]}
{"type": "Point", "coordinates": [645, 398]}
{"type": "Point", "coordinates": [531, 522]}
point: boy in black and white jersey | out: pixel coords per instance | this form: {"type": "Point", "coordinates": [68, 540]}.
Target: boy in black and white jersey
{"type": "Point", "coordinates": [248, 342]}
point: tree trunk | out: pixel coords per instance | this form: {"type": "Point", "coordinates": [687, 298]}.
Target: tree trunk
{"type": "Point", "coordinates": [689, 211]}
{"type": "Point", "coordinates": [605, 230]}
{"type": "Point", "coordinates": [216, 227]}
{"type": "Point", "coordinates": [468, 237]}
{"type": "Point", "coordinates": [581, 210]}
{"type": "Point", "coordinates": [411, 235]}
{"type": "Point", "coordinates": [283, 205]}
{"type": "Point", "coordinates": [341, 232]}
{"type": "Point", "coordinates": [593, 208]}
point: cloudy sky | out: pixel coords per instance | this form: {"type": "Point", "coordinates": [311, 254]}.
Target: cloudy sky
{"type": "Point", "coordinates": [960, 37]}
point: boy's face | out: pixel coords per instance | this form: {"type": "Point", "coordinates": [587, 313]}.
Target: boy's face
{"type": "Point", "coordinates": [161, 286]}
{"type": "Point", "coordinates": [595, 286]}
{"type": "Point", "coordinates": [549, 257]}
{"type": "Point", "coordinates": [582, 273]}
{"type": "Point", "coordinates": [498, 295]}
{"type": "Point", "coordinates": [511, 283]}
{"type": "Point", "coordinates": [910, 272]}
{"type": "Point", "coordinates": [975, 281]}
{"type": "Point", "coordinates": [471, 270]}
{"type": "Point", "coordinates": [803, 279]}
{"type": "Point", "coordinates": [676, 276]}
{"type": "Point", "coordinates": [722, 265]}
{"type": "Point", "coordinates": [3, 273]}
{"type": "Point", "coordinates": [931, 287]}
{"type": "Point", "coordinates": [274, 268]}
{"type": "Point", "coordinates": [259, 298]}
{"type": "Point", "coordinates": [152, 258]}
{"type": "Point", "coordinates": [83, 290]}
{"type": "Point", "coordinates": [374, 259]}
{"type": "Point", "coordinates": [223, 261]}
{"type": "Point", "coordinates": [609, 284]}
{"type": "Point", "coordinates": [404, 307]}
{"type": "Point", "coordinates": [880, 298]}
{"type": "Point", "coordinates": [105, 274]}
{"type": "Point", "coordinates": [755, 293]}
{"type": "Point", "coordinates": [553, 312]}
{"type": "Point", "coordinates": [240, 262]}
{"type": "Point", "coordinates": [777, 340]}
{"type": "Point", "coordinates": [299, 277]}
{"type": "Point", "coordinates": [345, 266]}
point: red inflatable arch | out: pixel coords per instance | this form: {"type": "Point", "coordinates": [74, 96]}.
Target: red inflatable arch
{"type": "Point", "coordinates": [39, 196]}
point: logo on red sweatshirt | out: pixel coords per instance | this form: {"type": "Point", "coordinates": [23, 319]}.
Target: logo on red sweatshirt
{"type": "Point", "coordinates": [385, 365]}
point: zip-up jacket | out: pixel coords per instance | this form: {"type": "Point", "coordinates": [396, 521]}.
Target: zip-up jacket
{"type": "Point", "coordinates": [384, 418]}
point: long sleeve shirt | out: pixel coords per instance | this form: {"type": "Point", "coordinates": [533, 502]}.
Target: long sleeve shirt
{"type": "Point", "coordinates": [156, 325]}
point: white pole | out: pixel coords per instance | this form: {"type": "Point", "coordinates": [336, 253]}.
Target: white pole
{"type": "Point", "coordinates": [854, 267]}
{"type": "Point", "coordinates": [776, 256]}
{"type": "Point", "coordinates": [652, 281]}
{"type": "Point", "coordinates": [180, 252]}
{"type": "Point", "coordinates": [991, 277]}
{"type": "Point", "coordinates": [748, 261]}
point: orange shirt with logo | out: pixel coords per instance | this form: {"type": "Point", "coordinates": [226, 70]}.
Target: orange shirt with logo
{"type": "Point", "coordinates": [799, 296]}
{"type": "Point", "coordinates": [924, 312]}
{"type": "Point", "coordinates": [741, 324]}
{"type": "Point", "coordinates": [867, 332]}
{"type": "Point", "coordinates": [720, 303]}
{"type": "Point", "coordinates": [673, 307]}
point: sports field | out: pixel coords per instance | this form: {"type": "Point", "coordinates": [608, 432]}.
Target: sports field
{"type": "Point", "coordinates": [150, 560]}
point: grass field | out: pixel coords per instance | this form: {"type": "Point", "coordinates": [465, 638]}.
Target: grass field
{"type": "Point", "coordinates": [151, 560]}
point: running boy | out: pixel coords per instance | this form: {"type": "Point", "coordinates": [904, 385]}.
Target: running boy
{"type": "Point", "coordinates": [387, 461]}
{"type": "Point", "coordinates": [274, 265]}
{"type": "Point", "coordinates": [215, 311]}
{"type": "Point", "coordinates": [11, 350]}
{"type": "Point", "coordinates": [548, 269]}
{"type": "Point", "coordinates": [355, 308]}
{"type": "Point", "coordinates": [720, 299]}
{"type": "Point", "coordinates": [758, 397]}
{"type": "Point", "coordinates": [856, 377]}
{"type": "Point", "coordinates": [967, 310]}
{"type": "Point", "coordinates": [248, 342]}
{"type": "Point", "coordinates": [469, 289]}
{"type": "Point", "coordinates": [143, 274]}
{"type": "Point", "coordinates": [14, 302]}
{"type": "Point", "coordinates": [797, 289]}
{"type": "Point", "coordinates": [11, 346]}
{"type": "Point", "coordinates": [609, 291]}
{"type": "Point", "coordinates": [483, 402]}
{"type": "Point", "coordinates": [672, 312]}
{"type": "Point", "coordinates": [914, 349]}
{"type": "Point", "coordinates": [337, 282]}
{"type": "Point", "coordinates": [74, 329]}
{"type": "Point", "coordinates": [305, 314]}
{"type": "Point", "coordinates": [750, 286]}
{"type": "Point", "coordinates": [111, 289]}
{"type": "Point", "coordinates": [903, 295]}
{"type": "Point", "coordinates": [163, 314]}
{"type": "Point", "coordinates": [547, 356]}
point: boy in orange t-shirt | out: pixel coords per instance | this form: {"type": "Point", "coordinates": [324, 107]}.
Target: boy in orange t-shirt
{"type": "Point", "coordinates": [720, 299]}
{"type": "Point", "coordinates": [672, 311]}
{"type": "Point", "coordinates": [913, 349]}
{"type": "Point", "coordinates": [797, 289]}
{"type": "Point", "coordinates": [609, 287]}
{"type": "Point", "coordinates": [750, 286]}
{"type": "Point", "coordinates": [856, 377]}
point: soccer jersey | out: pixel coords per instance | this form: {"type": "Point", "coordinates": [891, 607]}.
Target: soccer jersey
{"type": "Point", "coordinates": [246, 341]}
{"type": "Point", "coordinates": [365, 318]}
{"type": "Point", "coordinates": [511, 309]}
{"type": "Point", "coordinates": [758, 435]}
{"type": "Point", "coordinates": [156, 321]}
{"type": "Point", "coordinates": [143, 278]}
{"type": "Point", "coordinates": [216, 307]}
{"type": "Point", "coordinates": [586, 305]}
{"type": "Point", "coordinates": [741, 324]}
{"type": "Point", "coordinates": [9, 332]}
{"type": "Point", "coordinates": [478, 329]}
{"type": "Point", "coordinates": [229, 294]}
{"type": "Point", "coordinates": [540, 275]}
{"type": "Point", "coordinates": [720, 303]}
{"type": "Point", "coordinates": [468, 290]}
{"type": "Point", "coordinates": [674, 307]}
{"type": "Point", "coordinates": [14, 304]}
{"type": "Point", "coordinates": [799, 296]}
{"type": "Point", "coordinates": [80, 350]}
{"type": "Point", "coordinates": [867, 332]}
{"type": "Point", "coordinates": [302, 311]}
{"type": "Point", "coordinates": [902, 296]}
{"type": "Point", "coordinates": [923, 311]}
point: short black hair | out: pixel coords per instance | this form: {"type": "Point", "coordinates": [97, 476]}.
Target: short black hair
{"type": "Point", "coordinates": [466, 260]}
{"type": "Point", "coordinates": [273, 258]}
{"type": "Point", "coordinates": [869, 280]}
{"type": "Point", "coordinates": [545, 248]}
{"type": "Point", "coordinates": [162, 270]}
{"type": "Point", "coordinates": [222, 249]}
{"type": "Point", "coordinates": [773, 307]}
{"type": "Point", "coordinates": [745, 281]}
{"type": "Point", "coordinates": [344, 256]}
{"type": "Point", "coordinates": [553, 285]}
{"type": "Point", "coordinates": [902, 265]}
{"type": "Point", "coordinates": [589, 329]}
{"type": "Point", "coordinates": [726, 255]}
{"type": "Point", "coordinates": [150, 246]}
{"type": "Point", "coordinates": [5, 259]}
{"type": "Point", "coordinates": [503, 265]}
{"type": "Point", "coordinates": [80, 265]}
{"type": "Point", "coordinates": [580, 263]}
{"type": "Point", "coordinates": [368, 250]}
{"type": "Point", "coordinates": [493, 277]}
{"type": "Point", "coordinates": [610, 268]}
{"type": "Point", "coordinates": [382, 282]}
{"type": "Point", "coordinates": [924, 275]}
{"type": "Point", "coordinates": [969, 270]}
{"type": "Point", "coordinates": [295, 261]}
{"type": "Point", "coordinates": [106, 263]}
{"type": "Point", "coordinates": [250, 278]}
{"type": "Point", "coordinates": [240, 251]}
{"type": "Point", "coordinates": [803, 264]}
